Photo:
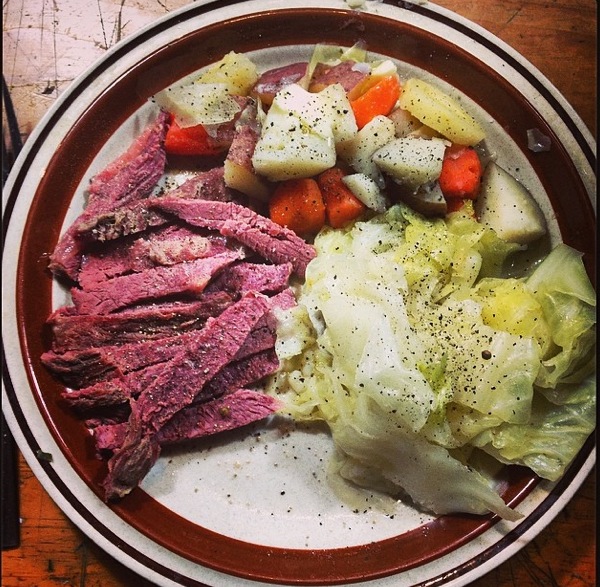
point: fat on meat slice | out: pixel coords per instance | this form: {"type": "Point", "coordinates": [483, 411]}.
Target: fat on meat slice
{"type": "Point", "coordinates": [138, 216]}
{"type": "Point", "coordinates": [130, 177]}
{"type": "Point", "coordinates": [175, 388]}
{"type": "Point", "coordinates": [273, 242]}
{"type": "Point", "coordinates": [243, 277]}
{"type": "Point", "coordinates": [167, 245]}
{"type": "Point", "coordinates": [189, 278]}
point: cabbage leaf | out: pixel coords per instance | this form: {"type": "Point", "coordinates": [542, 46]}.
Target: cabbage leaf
{"type": "Point", "coordinates": [414, 349]}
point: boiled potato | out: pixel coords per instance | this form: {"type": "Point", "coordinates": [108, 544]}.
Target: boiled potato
{"type": "Point", "coordinates": [506, 205]}
{"type": "Point", "coordinates": [404, 122]}
{"type": "Point", "coordinates": [327, 112]}
{"type": "Point", "coordinates": [358, 152]}
{"type": "Point", "coordinates": [411, 161]}
{"type": "Point", "coordinates": [243, 180]}
{"type": "Point", "coordinates": [438, 110]}
{"type": "Point", "coordinates": [296, 140]}
{"type": "Point", "coordinates": [367, 191]}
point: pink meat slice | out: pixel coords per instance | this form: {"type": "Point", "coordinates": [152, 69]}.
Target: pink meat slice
{"type": "Point", "coordinates": [175, 388]}
{"type": "Point", "coordinates": [273, 242]}
{"type": "Point", "coordinates": [184, 278]}
{"type": "Point", "coordinates": [130, 177]}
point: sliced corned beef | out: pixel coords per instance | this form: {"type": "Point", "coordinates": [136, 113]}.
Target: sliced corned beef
{"type": "Point", "coordinates": [234, 410]}
{"type": "Point", "coordinates": [243, 145]}
{"type": "Point", "coordinates": [124, 221]}
{"type": "Point", "coordinates": [130, 177]}
{"type": "Point", "coordinates": [228, 412]}
{"type": "Point", "coordinates": [273, 242]}
{"type": "Point", "coordinates": [204, 185]}
{"type": "Point", "coordinates": [134, 174]}
{"type": "Point", "coordinates": [244, 277]}
{"type": "Point", "coordinates": [213, 348]}
{"type": "Point", "coordinates": [241, 373]}
{"type": "Point", "coordinates": [73, 332]}
{"type": "Point", "coordinates": [121, 389]}
{"type": "Point", "coordinates": [167, 245]}
{"type": "Point", "coordinates": [175, 388]}
{"type": "Point", "coordinates": [137, 454]}
{"type": "Point", "coordinates": [152, 284]}
{"type": "Point", "coordinates": [137, 217]}
{"type": "Point", "coordinates": [264, 334]}
{"type": "Point", "coordinates": [88, 366]}
{"type": "Point", "coordinates": [284, 300]}
{"type": "Point", "coordinates": [113, 392]}
{"type": "Point", "coordinates": [85, 367]}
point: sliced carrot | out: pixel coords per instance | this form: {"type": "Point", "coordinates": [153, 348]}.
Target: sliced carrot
{"type": "Point", "coordinates": [379, 99]}
{"type": "Point", "coordinates": [191, 140]}
{"type": "Point", "coordinates": [341, 205]}
{"type": "Point", "coordinates": [465, 205]}
{"type": "Point", "coordinates": [298, 204]}
{"type": "Point", "coordinates": [461, 173]}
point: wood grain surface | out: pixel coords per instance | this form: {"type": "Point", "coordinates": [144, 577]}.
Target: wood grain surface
{"type": "Point", "coordinates": [47, 43]}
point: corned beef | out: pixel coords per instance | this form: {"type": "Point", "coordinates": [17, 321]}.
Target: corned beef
{"type": "Point", "coordinates": [173, 315]}
{"type": "Point", "coordinates": [152, 284]}
{"type": "Point", "coordinates": [275, 243]}
{"type": "Point", "coordinates": [130, 177]}
{"type": "Point", "coordinates": [167, 245]}
{"type": "Point", "coordinates": [239, 408]}
{"type": "Point", "coordinates": [85, 367]}
{"type": "Point", "coordinates": [126, 220]}
{"type": "Point", "coordinates": [75, 332]}
{"type": "Point", "coordinates": [244, 277]}
{"type": "Point", "coordinates": [121, 389]}
{"type": "Point", "coordinates": [175, 388]}
{"type": "Point", "coordinates": [234, 410]}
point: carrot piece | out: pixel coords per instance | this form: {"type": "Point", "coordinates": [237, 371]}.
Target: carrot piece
{"type": "Point", "coordinates": [378, 99]}
{"type": "Point", "coordinates": [461, 173]}
{"type": "Point", "coordinates": [341, 205]}
{"type": "Point", "coordinates": [191, 140]}
{"type": "Point", "coordinates": [298, 204]}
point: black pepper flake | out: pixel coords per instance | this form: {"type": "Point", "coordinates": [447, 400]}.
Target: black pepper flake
{"type": "Point", "coordinates": [487, 355]}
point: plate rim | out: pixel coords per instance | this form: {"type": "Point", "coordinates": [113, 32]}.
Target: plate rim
{"type": "Point", "coordinates": [44, 467]}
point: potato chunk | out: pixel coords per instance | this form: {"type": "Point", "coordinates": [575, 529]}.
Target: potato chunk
{"type": "Point", "coordinates": [439, 111]}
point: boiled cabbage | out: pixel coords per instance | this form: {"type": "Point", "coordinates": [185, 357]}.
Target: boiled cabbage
{"type": "Point", "coordinates": [408, 342]}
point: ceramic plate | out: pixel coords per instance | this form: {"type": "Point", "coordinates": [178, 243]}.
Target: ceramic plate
{"type": "Point", "coordinates": [253, 507]}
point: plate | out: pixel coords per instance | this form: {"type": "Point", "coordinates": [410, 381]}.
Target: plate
{"type": "Point", "coordinates": [253, 507]}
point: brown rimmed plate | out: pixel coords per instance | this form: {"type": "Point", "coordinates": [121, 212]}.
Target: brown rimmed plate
{"type": "Point", "coordinates": [254, 507]}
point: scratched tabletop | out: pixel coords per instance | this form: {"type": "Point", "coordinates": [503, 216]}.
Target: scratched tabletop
{"type": "Point", "coordinates": [48, 43]}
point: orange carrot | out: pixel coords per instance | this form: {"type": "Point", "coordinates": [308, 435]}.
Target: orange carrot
{"type": "Point", "coordinates": [341, 205]}
{"type": "Point", "coordinates": [191, 140]}
{"type": "Point", "coordinates": [378, 99]}
{"type": "Point", "coordinates": [461, 173]}
{"type": "Point", "coordinates": [298, 204]}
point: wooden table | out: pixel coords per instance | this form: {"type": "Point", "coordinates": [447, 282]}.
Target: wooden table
{"type": "Point", "coordinates": [47, 44]}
